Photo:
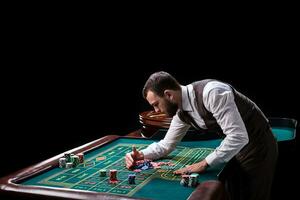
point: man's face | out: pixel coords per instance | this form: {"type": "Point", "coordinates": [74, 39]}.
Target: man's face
{"type": "Point", "coordinates": [161, 104]}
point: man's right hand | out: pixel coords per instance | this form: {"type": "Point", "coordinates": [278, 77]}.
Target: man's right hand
{"type": "Point", "coordinates": [130, 158]}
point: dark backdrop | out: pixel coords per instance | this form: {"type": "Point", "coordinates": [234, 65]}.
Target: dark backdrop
{"type": "Point", "coordinates": [50, 110]}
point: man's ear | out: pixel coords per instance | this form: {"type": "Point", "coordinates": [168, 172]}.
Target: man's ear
{"type": "Point", "coordinates": [169, 94]}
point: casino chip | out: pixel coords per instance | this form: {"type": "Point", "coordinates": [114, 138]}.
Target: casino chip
{"type": "Point", "coordinates": [70, 160]}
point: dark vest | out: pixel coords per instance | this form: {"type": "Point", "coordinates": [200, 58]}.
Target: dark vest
{"type": "Point", "coordinates": [255, 121]}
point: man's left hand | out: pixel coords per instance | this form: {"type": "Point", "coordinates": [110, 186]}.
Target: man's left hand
{"type": "Point", "coordinates": [194, 168]}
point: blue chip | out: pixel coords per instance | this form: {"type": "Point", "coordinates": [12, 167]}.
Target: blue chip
{"type": "Point", "coordinates": [145, 167]}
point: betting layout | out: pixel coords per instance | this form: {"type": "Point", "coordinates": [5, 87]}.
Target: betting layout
{"type": "Point", "coordinates": [106, 171]}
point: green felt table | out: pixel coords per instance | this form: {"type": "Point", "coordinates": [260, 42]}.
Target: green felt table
{"type": "Point", "coordinates": [84, 182]}
{"type": "Point", "coordinates": [162, 181]}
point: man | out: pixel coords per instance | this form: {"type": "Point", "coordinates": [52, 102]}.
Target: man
{"type": "Point", "coordinates": [249, 147]}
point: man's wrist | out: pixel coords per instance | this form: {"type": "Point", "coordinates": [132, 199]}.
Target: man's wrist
{"type": "Point", "coordinates": [205, 164]}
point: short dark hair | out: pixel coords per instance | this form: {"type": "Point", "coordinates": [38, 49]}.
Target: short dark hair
{"type": "Point", "coordinates": [158, 82]}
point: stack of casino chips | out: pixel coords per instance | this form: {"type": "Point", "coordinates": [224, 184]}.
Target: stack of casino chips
{"type": "Point", "coordinates": [185, 180]}
{"type": "Point", "coordinates": [193, 181]}
{"type": "Point", "coordinates": [113, 176]}
{"type": "Point", "coordinates": [70, 160]}
{"type": "Point", "coordinates": [189, 180]}
{"type": "Point", "coordinates": [131, 178]}
{"type": "Point", "coordinates": [102, 172]}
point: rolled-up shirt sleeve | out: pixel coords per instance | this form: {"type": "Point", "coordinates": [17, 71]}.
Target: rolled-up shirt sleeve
{"type": "Point", "coordinates": [165, 146]}
{"type": "Point", "coordinates": [220, 102]}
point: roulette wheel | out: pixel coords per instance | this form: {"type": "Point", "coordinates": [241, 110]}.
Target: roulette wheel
{"type": "Point", "coordinates": [152, 121]}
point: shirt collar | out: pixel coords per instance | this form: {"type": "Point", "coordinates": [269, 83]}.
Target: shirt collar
{"type": "Point", "coordinates": [186, 101]}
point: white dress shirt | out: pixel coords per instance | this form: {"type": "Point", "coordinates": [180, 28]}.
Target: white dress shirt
{"type": "Point", "coordinates": [218, 99]}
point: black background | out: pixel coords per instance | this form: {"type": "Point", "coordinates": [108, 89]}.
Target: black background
{"type": "Point", "coordinates": [51, 109]}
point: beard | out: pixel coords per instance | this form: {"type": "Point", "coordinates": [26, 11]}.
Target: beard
{"type": "Point", "coordinates": [171, 108]}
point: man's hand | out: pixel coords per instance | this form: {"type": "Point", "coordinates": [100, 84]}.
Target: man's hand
{"type": "Point", "coordinates": [130, 158]}
{"type": "Point", "coordinates": [194, 168]}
